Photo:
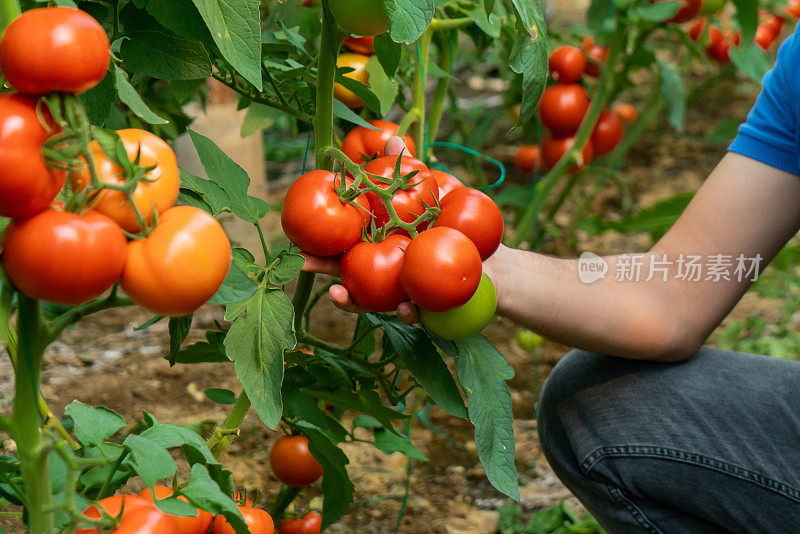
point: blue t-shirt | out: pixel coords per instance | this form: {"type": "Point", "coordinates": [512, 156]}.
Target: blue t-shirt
{"type": "Point", "coordinates": [771, 134]}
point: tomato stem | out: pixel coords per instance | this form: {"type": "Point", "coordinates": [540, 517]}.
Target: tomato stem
{"type": "Point", "coordinates": [448, 45]}
{"type": "Point", "coordinates": [420, 72]}
{"type": "Point", "coordinates": [223, 435]}
{"type": "Point", "coordinates": [285, 497]}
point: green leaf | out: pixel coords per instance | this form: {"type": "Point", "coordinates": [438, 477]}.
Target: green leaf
{"type": "Point", "coordinates": [258, 117]}
{"type": "Point", "coordinates": [230, 177]}
{"type": "Point", "coordinates": [182, 17]}
{"type": "Point", "coordinates": [287, 269]}
{"type": "Point", "coordinates": [389, 443]}
{"type": "Point", "coordinates": [155, 51]}
{"type": "Point", "coordinates": [655, 220]}
{"type": "Point", "coordinates": [261, 331]}
{"type": "Point", "coordinates": [204, 493]}
{"type": "Point", "coordinates": [235, 26]}
{"type": "Point", "coordinates": [170, 436]}
{"type": "Point", "coordinates": [221, 396]}
{"type": "Point", "coordinates": [483, 373]}
{"type": "Point", "coordinates": [747, 18]}
{"type": "Point", "coordinates": [658, 12]}
{"type": "Point", "coordinates": [360, 89]}
{"type": "Point", "coordinates": [529, 55]}
{"type": "Point", "coordinates": [336, 484]}
{"type": "Point", "coordinates": [598, 13]}
{"type": "Point", "coordinates": [149, 459]}
{"type": "Point", "coordinates": [366, 402]}
{"type": "Point", "coordinates": [383, 87]}
{"type": "Point", "coordinates": [131, 98]}
{"type": "Point", "coordinates": [421, 358]}
{"type": "Point", "coordinates": [751, 60]}
{"type": "Point", "coordinates": [99, 100]}
{"type": "Point", "coordinates": [211, 194]}
{"type": "Point", "coordinates": [408, 19]}
{"type": "Point", "coordinates": [174, 506]}
{"type": "Point", "coordinates": [236, 287]}
{"type": "Point", "coordinates": [674, 94]}
{"type": "Point", "coordinates": [210, 351]}
{"type": "Point", "coordinates": [340, 111]}
{"type": "Point", "coordinates": [92, 425]}
{"type": "Point", "coordinates": [388, 53]}
{"type": "Point", "coordinates": [178, 330]}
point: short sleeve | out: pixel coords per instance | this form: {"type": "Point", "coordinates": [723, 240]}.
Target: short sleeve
{"type": "Point", "coordinates": [770, 133]}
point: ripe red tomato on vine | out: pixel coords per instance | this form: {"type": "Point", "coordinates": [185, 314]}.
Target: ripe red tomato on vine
{"type": "Point", "coordinates": [155, 194]}
{"type": "Point", "coordinates": [136, 516]}
{"type": "Point", "coordinates": [311, 523]}
{"type": "Point", "coordinates": [258, 521]}
{"type": "Point", "coordinates": [596, 55]}
{"type": "Point", "coordinates": [446, 182]}
{"type": "Point", "coordinates": [27, 184]}
{"type": "Point", "coordinates": [198, 524]}
{"type": "Point", "coordinates": [566, 64]}
{"type": "Point", "coordinates": [64, 257]}
{"type": "Point", "coordinates": [361, 45]}
{"type": "Point", "coordinates": [607, 133]}
{"type": "Point", "coordinates": [553, 149]}
{"type": "Point", "coordinates": [54, 49]}
{"type": "Point", "coordinates": [475, 215]}
{"type": "Point", "coordinates": [526, 158]}
{"type": "Point", "coordinates": [625, 111]}
{"type": "Point", "coordinates": [371, 273]}
{"type": "Point", "coordinates": [316, 220]}
{"type": "Point", "coordinates": [292, 462]}
{"type": "Point", "coordinates": [362, 143]}
{"type": "Point", "coordinates": [408, 203]}
{"type": "Point", "coordinates": [357, 62]}
{"type": "Point", "coordinates": [180, 265]}
{"type": "Point", "coordinates": [563, 107]}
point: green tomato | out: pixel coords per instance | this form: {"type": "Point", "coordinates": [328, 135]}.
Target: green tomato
{"type": "Point", "coordinates": [527, 339]}
{"type": "Point", "coordinates": [466, 320]}
{"type": "Point", "coordinates": [712, 7]}
{"type": "Point", "coordinates": [360, 17]}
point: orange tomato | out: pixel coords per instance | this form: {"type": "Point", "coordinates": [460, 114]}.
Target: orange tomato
{"type": "Point", "coordinates": [136, 516]}
{"type": "Point", "coordinates": [180, 265]}
{"type": "Point", "coordinates": [183, 525]}
{"type": "Point", "coordinates": [358, 62]}
{"type": "Point", "coordinates": [158, 192]}
{"type": "Point", "coordinates": [626, 112]}
{"type": "Point", "coordinates": [526, 158]}
{"type": "Point", "coordinates": [258, 522]}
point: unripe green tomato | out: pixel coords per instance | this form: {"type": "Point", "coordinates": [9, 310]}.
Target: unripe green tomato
{"type": "Point", "coordinates": [712, 7]}
{"type": "Point", "coordinates": [466, 320]}
{"type": "Point", "coordinates": [527, 339]}
{"type": "Point", "coordinates": [360, 17]}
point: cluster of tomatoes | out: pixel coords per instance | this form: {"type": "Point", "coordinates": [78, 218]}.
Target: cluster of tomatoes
{"type": "Point", "coordinates": [563, 107]}
{"type": "Point", "coordinates": [291, 462]}
{"type": "Point", "coordinates": [67, 243]}
{"type": "Point", "coordinates": [404, 232]}
{"type": "Point", "coordinates": [719, 42]}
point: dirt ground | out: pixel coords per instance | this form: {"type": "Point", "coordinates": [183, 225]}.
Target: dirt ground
{"type": "Point", "coordinates": [104, 361]}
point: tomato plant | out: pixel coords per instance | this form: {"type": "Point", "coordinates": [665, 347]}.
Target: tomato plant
{"type": "Point", "coordinates": [54, 49]}
{"type": "Point", "coordinates": [553, 149]}
{"type": "Point", "coordinates": [198, 524]}
{"type": "Point", "coordinates": [371, 273]}
{"type": "Point", "coordinates": [527, 158]}
{"type": "Point", "coordinates": [566, 64]}
{"type": "Point", "coordinates": [358, 65]}
{"type": "Point", "coordinates": [156, 190]}
{"type": "Point", "coordinates": [86, 255]}
{"type": "Point", "coordinates": [408, 203]}
{"type": "Point", "coordinates": [292, 462]}
{"type": "Point", "coordinates": [313, 202]}
{"type": "Point", "coordinates": [311, 523]}
{"type": "Point", "coordinates": [441, 270]}
{"type": "Point", "coordinates": [180, 265]}
{"type": "Point", "coordinates": [563, 108]}
{"type": "Point", "coordinates": [27, 184]}
{"type": "Point", "coordinates": [607, 133]}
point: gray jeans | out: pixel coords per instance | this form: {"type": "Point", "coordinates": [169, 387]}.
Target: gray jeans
{"type": "Point", "coordinates": [708, 445]}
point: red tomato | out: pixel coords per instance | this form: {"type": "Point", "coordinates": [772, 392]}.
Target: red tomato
{"type": "Point", "coordinates": [180, 265]}
{"type": "Point", "coordinates": [686, 12]}
{"type": "Point", "coordinates": [63, 257]}
{"type": "Point", "coordinates": [138, 516]}
{"type": "Point", "coordinates": [563, 107]}
{"type": "Point", "coordinates": [311, 523]}
{"type": "Point", "coordinates": [157, 193]}
{"type": "Point", "coordinates": [54, 49]}
{"type": "Point", "coordinates": [292, 463]}
{"type": "Point", "coordinates": [358, 62]}
{"type": "Point", "coordinates": [526, 158]}
{"type": "Point", "coordinates": [775, 22]}
{"type": "Point", "coordinates": [696, 29]}
{"type": "Point", "coordinates": [446, 182]}
{"type": "Point", "coordinates": [793, 9]}
{"type": "Point", "coordinates": [362, 143]}
{"type": "Point", "coordinates": [626, 112]}
{"type": "Point", "coordinates": [27, 184]}
{"type": "Point", "coordinates": [442, 269]}
{"type": "Point", "coordinates": [198, 524]}
{"type": "Point", "coordinates": [719, 44]}
{"type": "Point", "coordinates": [553, 149]}
{"type": "Point", "coordinates": [595, 55]}
{"type": "Point", "coordinates": [258, 522]}
{"type": "Point", "coordinates": [765, 35]}
{"type": "Point", "coordinates": [371, 273]}
{"type": "Point", "coordinates": [409, 203]}
{"type": "Point", "coordinates": [607, 133]}
{"type": "Point", "coordinates": [361, 45]}
{"type": "Point", "coordinates": [316, 220]}
{"type": "Point", "coordinates": [476, 216]}
{"type": "Point", "coordinates": [566, 64]}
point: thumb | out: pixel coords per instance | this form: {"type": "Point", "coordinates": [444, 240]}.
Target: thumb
{"type": "Point", "coordinates": [396, 145]}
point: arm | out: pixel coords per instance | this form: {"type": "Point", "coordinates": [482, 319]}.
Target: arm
{"type": "Point", "coordinates": [745, 207]}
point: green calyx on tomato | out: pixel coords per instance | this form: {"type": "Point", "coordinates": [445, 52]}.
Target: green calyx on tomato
{"type": "Point", "coordinates": [409, 202]}
{"type": "Point", "coordinates": [466, 320]}
{"type": "Point", "coordinates": [360, 17]}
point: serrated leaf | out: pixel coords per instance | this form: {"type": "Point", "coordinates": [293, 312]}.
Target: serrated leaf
{"type": "Point", "coordinates": [127, 93]}
{"type": "Point", "coordinates": [93, 424]}
{"type": "Point", "coordinates": [674, 94]}
{"type": "Point", "coordinates": [230, 177]}
{"type": "Point", "coordinates": [210, 351]}
{"type": "Point", "coordinates": [261, 330]}
{"type": "Point", "coordinates": [287, 269]}
{"type": "Point", "coordinates": [149, 459]}
{"type": "Point", "coordinates": [341, 111]}
{"type": "Point", "coordinates": [388, 53]}
{"type": "Point", "coordinates": [100, 99]}
{"type": "Point", "coordinates": [336, 484]}
{"type": "Point", "coordinates": [178, 330]}
{"type": "Point", "coordinates": [483, 373]}
{"type": "Point", "coordinates": [236, 287]}
{"type": "Point", "coordinates": [203, 492]}
{"type": "Point", "coordinates": [154, 51]}
{"type": "Point", "coordinates": [408, 19]}
{"type": "Point", "coordinates": [529, 55]}
{"type": "Point", "coordinates": [389, 443]}
{"type": "Point", "coordinates": [421, 358]}
{"type": "Point", "coordinates": [182, 17]}
{"type": "Point", "coordinates": [170, 436]}
{"type": "Point", "coordinates": [235, 27]}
